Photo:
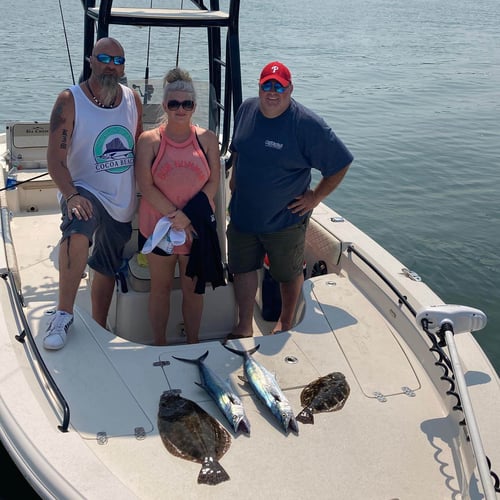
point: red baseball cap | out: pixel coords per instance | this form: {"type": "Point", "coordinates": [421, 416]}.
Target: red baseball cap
{"type": "Point", "coordinates": [276, 71]}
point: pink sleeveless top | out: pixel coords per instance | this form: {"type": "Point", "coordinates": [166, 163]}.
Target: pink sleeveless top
{"type": "Point", "coordinates": [180, 170]}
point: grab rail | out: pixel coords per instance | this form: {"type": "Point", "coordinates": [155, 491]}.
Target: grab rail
{"type": "Point", "coordinates": [401, 297]}
{"type": "Point", "coordinates": [13, 284]}
{"type": "Point", "coordinates": [26, 333]}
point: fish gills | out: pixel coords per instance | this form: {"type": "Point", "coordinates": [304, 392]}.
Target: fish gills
{"type": "Point", "coordinates": [189, 432]}
{"type": "Point", "coordinates": [325, 394]}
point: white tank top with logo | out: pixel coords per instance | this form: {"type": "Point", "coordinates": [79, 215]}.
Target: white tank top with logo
{"type": "Point", "coordinates": [101, 154]}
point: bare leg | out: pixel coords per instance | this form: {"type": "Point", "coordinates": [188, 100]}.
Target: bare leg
{"type": "Point", "coordinates": [192, 304]}
{"type": "Point", "coordinates": [162, 276]}
{"type": "Point", "coordinates": [101, 295]}
{"type": "Point", "coordinates": [290, 292]}
{"type": "Point", "coordinates": [72, 262]}
{"type": "Point", "coordinates": [245, 289]}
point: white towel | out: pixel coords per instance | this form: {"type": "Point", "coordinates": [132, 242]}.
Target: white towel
{"type": "Point", "coordinates": [164, 237]}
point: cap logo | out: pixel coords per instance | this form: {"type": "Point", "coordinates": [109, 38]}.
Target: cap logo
{"type": "Point", "coordinates": [274, 69]}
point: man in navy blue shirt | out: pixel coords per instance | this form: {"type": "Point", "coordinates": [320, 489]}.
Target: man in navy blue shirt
{"type": "Point", "coordinates": [276, 143]}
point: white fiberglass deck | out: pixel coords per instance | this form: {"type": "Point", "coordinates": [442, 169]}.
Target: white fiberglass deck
{"type": "Point", "coordinates": [397, 448]}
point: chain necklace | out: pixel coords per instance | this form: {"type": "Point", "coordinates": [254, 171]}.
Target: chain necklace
{"type": "Point", "coordinates": [97, 101]}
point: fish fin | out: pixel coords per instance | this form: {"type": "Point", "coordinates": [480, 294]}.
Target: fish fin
{"type": "Point", "coordinates": [306, 416]}
{"type": "Point", "coordinates": [212, 472]}
{"type": "Point", "coordinates": [234, 399]}
{"type": "Point", "coordinates": [243, 378]}
{"type": "Point", "coordinates": [242, 353]}
{"type": "Point", "coordinates": [203, 386]}
{"type": "Point", "coordinates": [195, 361]}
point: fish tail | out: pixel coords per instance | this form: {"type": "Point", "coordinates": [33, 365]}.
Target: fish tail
{"type": "Point", "coordinates": [306, 416]}
{"type": "Point", "coordinates": [212, 472]}
{"type": "Point", "coordinates": [243, 353]}
{"type": "Point", "coordinates": [195, 361]}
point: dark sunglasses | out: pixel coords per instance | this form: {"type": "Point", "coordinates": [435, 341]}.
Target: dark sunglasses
{"type": "Point", "coordinates": [106, 59]}
{"type": "Point", "coordinates": [268, 87]}
{"type": "Point", "coordinates": [174, 105]}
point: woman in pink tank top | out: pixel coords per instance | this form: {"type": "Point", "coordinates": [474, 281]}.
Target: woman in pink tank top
{"type": "Point", "coordinates": [174, 162]}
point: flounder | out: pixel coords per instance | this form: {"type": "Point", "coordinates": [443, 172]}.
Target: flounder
{"type": "Point", "coordinates": [328, 393]}
{"type": "Point", "coordinates": [189, 432]}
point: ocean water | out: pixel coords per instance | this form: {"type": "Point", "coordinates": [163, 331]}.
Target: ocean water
{"type": "Point", "coordinates": [413, 89]}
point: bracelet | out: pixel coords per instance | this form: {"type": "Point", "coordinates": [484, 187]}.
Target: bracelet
{"type": "Point", "coordinates": [72, 196]}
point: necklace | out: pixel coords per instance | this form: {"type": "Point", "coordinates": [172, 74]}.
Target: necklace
{"type": "Point", "coordinates": [97, 101]}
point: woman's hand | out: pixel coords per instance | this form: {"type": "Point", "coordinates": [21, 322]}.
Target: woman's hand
{"type": "Point", "coordinates": [179, 220]}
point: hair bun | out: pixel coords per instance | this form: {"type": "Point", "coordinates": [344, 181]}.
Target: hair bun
{"type": "Point", "coordinates": [177, 74]}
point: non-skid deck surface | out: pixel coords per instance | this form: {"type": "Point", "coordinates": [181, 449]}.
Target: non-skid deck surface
{"type": "Point", "coordinates": [359, 452]}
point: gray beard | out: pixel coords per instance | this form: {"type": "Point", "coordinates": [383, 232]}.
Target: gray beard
{"type": "Point", "coordinates": [109, 88]}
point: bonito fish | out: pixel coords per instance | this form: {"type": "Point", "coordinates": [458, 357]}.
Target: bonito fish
{"type": "Point", "coordinates": [189, 432]}
{"type": "Point", "coordinates": [222, 393]}
{"type": "Point", "coordinates": [328, 393]}
{"type": "Point", "coordinates": [267, 389]}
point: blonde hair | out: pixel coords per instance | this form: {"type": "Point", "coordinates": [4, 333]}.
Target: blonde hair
{"type": "Point", "coordinates": [178, 79]}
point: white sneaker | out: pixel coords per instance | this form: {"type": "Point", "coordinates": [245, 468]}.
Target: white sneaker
{"type": "Point", "coordinates": [57, 330]}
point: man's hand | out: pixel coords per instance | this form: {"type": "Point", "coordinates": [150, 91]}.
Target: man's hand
{"type": "Point", "coordinates": [304, 203]}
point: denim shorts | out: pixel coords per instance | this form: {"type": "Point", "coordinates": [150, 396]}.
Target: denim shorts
{"type": "Point", "coordinates": [284, 248]}
{"type": "Point", "coordinates": [108, 236]}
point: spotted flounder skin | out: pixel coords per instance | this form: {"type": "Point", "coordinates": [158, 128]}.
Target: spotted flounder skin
{"type": "Point", "coordinates": [189, 432]}
{"type": "Point", "coordinates": [328, 393]}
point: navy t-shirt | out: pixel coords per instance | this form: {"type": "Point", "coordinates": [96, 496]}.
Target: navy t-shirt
{"type": "Point", "coordinates": [274, 162]}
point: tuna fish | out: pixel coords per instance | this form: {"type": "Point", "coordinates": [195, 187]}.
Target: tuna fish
{"type": "Point", "coordinates": [328, 393]}
{"type": "Point", "coordinates": [267, 389]}
{"type": "Point", "coordinates": [189, 432]}
{"type": "Point", "coordinates": [222, 393]}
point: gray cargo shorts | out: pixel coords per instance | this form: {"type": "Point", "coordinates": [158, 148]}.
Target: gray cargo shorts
{"type": "Point", "coordinates": [107, 235]}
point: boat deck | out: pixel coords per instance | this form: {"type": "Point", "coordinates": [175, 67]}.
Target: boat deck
{"type": "Point", "coordinates": [114, 405]}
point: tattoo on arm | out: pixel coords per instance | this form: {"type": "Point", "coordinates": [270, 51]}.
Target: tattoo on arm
{"type": "Point", "coordinates": [57, 122]}
{"type": "Point", "coordinates": [64, 139]}
{"type": "Point", "coordinates": [56, 118]}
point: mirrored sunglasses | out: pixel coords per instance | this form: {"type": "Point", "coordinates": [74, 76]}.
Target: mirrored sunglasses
{"type": "Point", "coordinates": [173, 105]}
{"type": "Point", "coordinates": [106, 59]}
{"type": "Point", "coordinates": [273, 86]}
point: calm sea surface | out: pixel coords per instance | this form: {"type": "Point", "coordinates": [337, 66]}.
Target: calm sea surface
{"type": "Point", "coordinates": [413, 89]}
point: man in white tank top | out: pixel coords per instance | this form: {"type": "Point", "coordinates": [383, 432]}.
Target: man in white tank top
{"type": "Point", "coordinates": [93, 129]}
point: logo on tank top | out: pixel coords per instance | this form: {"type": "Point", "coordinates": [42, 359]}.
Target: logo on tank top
{"type": "Point", "coordinates": [114, 150]}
